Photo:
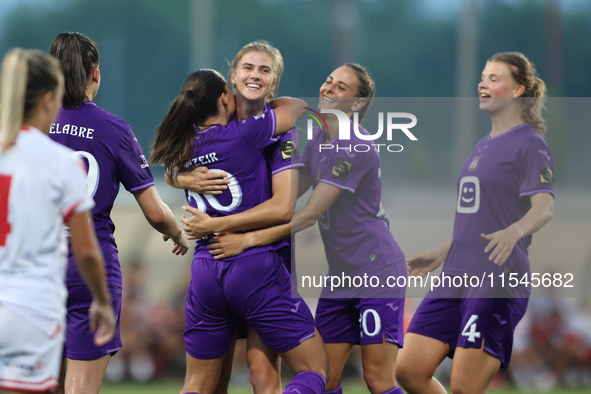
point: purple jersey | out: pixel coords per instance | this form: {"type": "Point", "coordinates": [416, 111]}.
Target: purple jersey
{"type": "Point", "coordinates": [354, 232]}
{"type": "Point", "coordinates": [279, 154]}
{"type": "Point", "coordinates": [112, 154]}
{"type": "Point", "coordinates": [239, 150]}
{"type": "Point", "coordinates": [494, 187]}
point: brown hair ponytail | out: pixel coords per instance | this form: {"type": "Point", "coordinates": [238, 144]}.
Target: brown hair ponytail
{"type": "Point", "coordinates": [198, 101]}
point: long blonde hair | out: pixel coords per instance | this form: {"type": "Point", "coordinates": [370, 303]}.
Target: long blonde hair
{"type": "Point", "coordinates": [276, 61]}
{"type": "Point", "coordinates": [26, 76]}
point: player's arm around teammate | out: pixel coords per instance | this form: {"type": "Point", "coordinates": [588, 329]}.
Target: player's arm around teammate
{"type": "Point", "coordinates": [512, 95]}
{"type": "Point", "coordinates": [349, 89]}
{"type": "Point", "coordinates": [255, 74]}
{"type": "Point", "coordinates": [206, 100]}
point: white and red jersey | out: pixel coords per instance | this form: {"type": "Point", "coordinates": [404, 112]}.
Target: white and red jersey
{"type": "Point", "coordinates": [42, 183]}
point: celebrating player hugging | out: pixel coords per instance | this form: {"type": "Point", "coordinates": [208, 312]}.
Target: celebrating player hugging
{"type": "Point", "coordinates": [237, 159]}
{"type": "Point", "coordinates": [253, 285]}
{"type": "Point", "coordinates": [255, 74]}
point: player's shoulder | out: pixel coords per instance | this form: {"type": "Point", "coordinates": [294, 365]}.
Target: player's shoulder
{"type": "Point", "coordinates": [114, 122]}
{"type": "Point", "coordinates": [37, 146]}
{"type": "Point", "coordinates": [528, 138]}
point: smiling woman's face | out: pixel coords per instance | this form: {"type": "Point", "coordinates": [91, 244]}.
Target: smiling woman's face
{"type": "Point", "coordinates": [340, 89]}
{"type": "Point", "coordinates": [254, 77]}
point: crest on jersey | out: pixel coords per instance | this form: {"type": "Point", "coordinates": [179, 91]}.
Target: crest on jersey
{"type": "Point", "coordinates": [546, 175]}
{"type": "Point", "coordinates": [341, 168]}
{"type": "Point", "coordinates": [288, 150]}
{"type": "Point", "coordinates": [474, 164]}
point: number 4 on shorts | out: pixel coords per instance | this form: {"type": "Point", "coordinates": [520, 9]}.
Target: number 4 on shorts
{"type": "Point", "coordinates": [472, 334]}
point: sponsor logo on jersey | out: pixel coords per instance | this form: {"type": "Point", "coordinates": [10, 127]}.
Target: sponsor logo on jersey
{"type": "Point", "coordinates": [546, 175]}
{"type": "Point", "coordinates": [341, 168]}
{"type": "Point", "coordinates": [288, 150]}
{"type": "Point", "coordinates": [144, 162]}
{"type": "Point", "coordinates": [474, 164]}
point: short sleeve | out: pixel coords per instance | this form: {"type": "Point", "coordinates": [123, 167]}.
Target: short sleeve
{"type": "Point", "coordinates": [74, 197]}
{"type": "Point", "coordinates": [133, 170]}
{"type": "Point", "coordinates": [283, 153]}
{"type": "Point", "coordinates": [258, 131]}
{"type": "Point", "coordinates": [537, 169]}
{"type": "Point", "coordinates": [346, 170]}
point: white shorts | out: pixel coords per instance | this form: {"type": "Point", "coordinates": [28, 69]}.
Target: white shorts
{"type": "Point", "coordinates": [30, 358]}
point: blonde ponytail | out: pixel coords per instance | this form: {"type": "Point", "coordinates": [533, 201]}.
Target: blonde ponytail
{"type": "Point", "coordinates": [12, 95]}
{"type": "Point", "coordinates": [25, 77]}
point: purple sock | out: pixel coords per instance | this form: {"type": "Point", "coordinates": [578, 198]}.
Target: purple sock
{"type": "Point", "coordinates": [192, 392]}
{"type": "Point", "coordinates": [394, 390]}
{"type": "Point", "coordinates": [338, 390]}
{"type": "Point", "coordinates": [306, 382]}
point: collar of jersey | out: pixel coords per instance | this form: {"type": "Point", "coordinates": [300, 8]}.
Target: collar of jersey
{"type": "Point", "coordinates": [489, 138]}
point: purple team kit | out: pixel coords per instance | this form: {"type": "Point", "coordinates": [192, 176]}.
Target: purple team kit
{"type": "Point", "coordinates": [253, 286]}
{"type": "Point", "coordinates": [357, 241]}
{"type": "Point", "coordinates": [494, 187]}
{"type": "Point", "coordinates": [112, 154]}
{"type": "Point", "coordinates": [278, 157]}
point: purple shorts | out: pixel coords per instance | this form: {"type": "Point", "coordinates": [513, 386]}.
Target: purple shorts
{"type": "Point", "coordinates": [79, 344]}
{"type": "Point", "coordinates": [254, 288]}
{"type": "Point", "coordinates": [361, 321]}
{"type": "Point", "coordinates": [285, 255]}
{"type": "Point", "coordinates": [466, 322]}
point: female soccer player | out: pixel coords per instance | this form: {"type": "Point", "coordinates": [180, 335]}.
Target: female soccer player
{"type": "Point", "coordinates": [254, 286]}
{"type": "Point", "coordinates": [255, 74]}
{"type": "Point", "coordinates": [113, 155]}
{"type": "Point", "coordinates": [505, 194]}
{"type": "Point", "coordinates": [41, 187]}
{"type": "Point", "coordinates": [346, 204]}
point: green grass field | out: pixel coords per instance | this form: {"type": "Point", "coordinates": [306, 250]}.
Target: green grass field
{"type": "Point", "coordinates": [350, 388]}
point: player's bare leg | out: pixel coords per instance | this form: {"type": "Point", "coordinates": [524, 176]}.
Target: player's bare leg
{"type": "Point", "coordinates": [264, 365]}
{"type": "Point", "coordinates": [472, 370]}
{"type": "Point", "coordinates": [338, 353]}
{"type": "Point", "coordinates": [202, 375]}
{"type": "Point", "coordinates": [417, 363]}
{"type": "Point", "coordinates": [309, 355]}
{"type": "Point", "coordinates": [62, 378]}
{"type": "Point", "coordinates": [378, 362]}
{"type": "Point", "coordinates": [226, 372]}
{"type": "Point", "coordinates": [85, 376]}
